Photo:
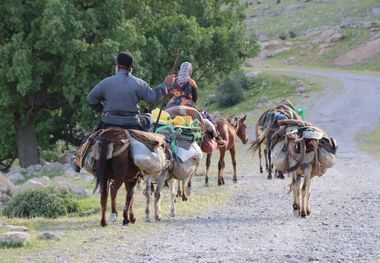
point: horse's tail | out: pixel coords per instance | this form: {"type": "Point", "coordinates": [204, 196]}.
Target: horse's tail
{"type": "Point", "coordinates": [256, 143]}
{"type": "Point", "coordinates": [101, 167]}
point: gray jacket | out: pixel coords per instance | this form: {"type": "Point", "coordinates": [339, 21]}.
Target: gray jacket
{"type": "Point", "coordinates": [120, 94]}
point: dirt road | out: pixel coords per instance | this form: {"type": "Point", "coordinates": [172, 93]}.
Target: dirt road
{"type": "Point", "coordinates": [258, 225]}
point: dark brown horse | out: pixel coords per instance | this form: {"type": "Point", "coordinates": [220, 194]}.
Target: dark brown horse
{"type": "Point", "coordinates": [266, 126]}
{"type": "Point", "coordinates": [228, 129]}
{"type": "Point", "coordinates": [115, 167]}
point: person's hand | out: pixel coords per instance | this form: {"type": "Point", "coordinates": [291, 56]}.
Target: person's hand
{"type": "Point", "coordinates": [169, 80]}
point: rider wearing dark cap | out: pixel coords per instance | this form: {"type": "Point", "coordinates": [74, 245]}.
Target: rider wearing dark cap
{"type": "Point", "coordinates": [117, 97]}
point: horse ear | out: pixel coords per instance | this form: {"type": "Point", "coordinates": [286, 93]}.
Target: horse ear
{"type": "Point", "coordinates": [244, 117]}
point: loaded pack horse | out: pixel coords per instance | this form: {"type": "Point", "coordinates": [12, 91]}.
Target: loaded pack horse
{"type": "Point", "coordinates": [266, 126]}
{"type": "Point", "coordinates": [303, 151]}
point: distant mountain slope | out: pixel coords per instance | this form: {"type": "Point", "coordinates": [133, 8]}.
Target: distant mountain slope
{"type": "Point", "coordinates": [315, 32]}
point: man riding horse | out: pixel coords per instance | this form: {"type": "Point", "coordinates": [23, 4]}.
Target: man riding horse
{"type": "Point", "coordinates": [117, 98]}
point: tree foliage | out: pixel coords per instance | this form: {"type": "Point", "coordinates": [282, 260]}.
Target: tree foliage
{"type": "Point", "coordinates": [53, 52]}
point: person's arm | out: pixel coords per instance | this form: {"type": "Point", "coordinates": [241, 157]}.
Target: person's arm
{"type": "Point", "coordinates": [150, 95]}
{"type": "Point", "coordinates": [95, 98]}
{"type": "Point", "coordinates": [194, 95]}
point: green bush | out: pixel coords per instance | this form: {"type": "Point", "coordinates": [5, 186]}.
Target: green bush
{"type": "Point", "coordinates": [47, 202]}
{"type": "Point", "coordinates": [231, 89]}
{"type": "Point", "coordinates": [292, 34]}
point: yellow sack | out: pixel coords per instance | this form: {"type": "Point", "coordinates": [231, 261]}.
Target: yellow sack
{"type": "Point", "coordinates": [165, 117]}
{"type": "Point", "coordinates": [179, 121]}
{"type": "Point", "coordinates": [188, 120]}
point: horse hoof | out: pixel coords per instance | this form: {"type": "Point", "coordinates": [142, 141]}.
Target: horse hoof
{"type": "Point", "coordinates": [172, 213]}
{"type": "Point", "coordinates": [188, 191]}
{"type": "Point", "coordinates": [207, 184]}
{"type": "Point", "coordinates": [303, 214]}
{"type": "Point", "coordinates": [103, 223]}
{"type": "Point", "coordinates": [261, 170]}
{"type": "Point", "coordinates": [157, 219]}
{"type": "Point", "coordinates": [125, 222]}
{"type": "Point", "coordinates": [296, 213]}
{"type": "Point", "coordinates": [184, 198]}
{"type": "Point", "coordinates": [147, 219]}
{"type": "Point", "coordinates": [223, 182]}
{"type": "Point", "coordinates": [234, 180]}
{"type": "Point", "coordinates": [269, 177]}
{"type": "Point", "coordinates": [113, 217]}
{"type": "Point", "coordinates": [308, 212]}
{"type": "Point", "coordinates": [133, 220]}
{"type": "Point", "coordinates": [219, 182]}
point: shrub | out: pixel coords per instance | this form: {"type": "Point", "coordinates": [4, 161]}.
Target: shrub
{"type": "Point", "coordinates": [283, 36]}
{"type": "Point", "coordinates": [231, 89]}
{"type": "Point", "coordinates": [292, 34]}
{"type": "Point", "coordinates": [47, 202]}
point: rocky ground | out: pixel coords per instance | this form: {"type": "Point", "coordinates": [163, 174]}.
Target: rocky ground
{"type": "Point", "coordinates": [257, 224]}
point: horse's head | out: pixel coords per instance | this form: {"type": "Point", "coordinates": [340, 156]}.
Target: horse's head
{"type": "Point", "coordinates": [241, 128]}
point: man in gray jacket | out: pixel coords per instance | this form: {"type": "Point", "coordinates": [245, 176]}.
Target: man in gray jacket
{"type": "Point", "coordinates": [117, 97]}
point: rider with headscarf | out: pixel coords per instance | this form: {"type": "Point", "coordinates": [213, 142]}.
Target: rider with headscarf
{"type": "Point", "coordinates": [184, 89]}
{"type": "Point", "coordinates": [184, 93]}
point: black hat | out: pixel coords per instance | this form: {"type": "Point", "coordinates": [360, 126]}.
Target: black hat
{"type": "Point", "coordinates": [124, 59]}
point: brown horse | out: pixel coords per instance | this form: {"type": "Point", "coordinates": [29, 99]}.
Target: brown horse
{"type": "Point", "coordinates": [228, 129]}
{"type": "Point", "coordinates": [115, 167]}
{"type": "Point", "coordinates": [266, 126]}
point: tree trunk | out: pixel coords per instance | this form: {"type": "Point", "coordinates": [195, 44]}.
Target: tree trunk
{"type": "Point", "coordinates": [26, 137]}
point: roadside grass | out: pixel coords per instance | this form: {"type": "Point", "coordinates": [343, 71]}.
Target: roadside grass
{"type": "Point", "coordinates": [370, 142]}
{"type": "Point", "coordinates": [274, 85]}
{"type": "Point", "coordinates": [82, 232]}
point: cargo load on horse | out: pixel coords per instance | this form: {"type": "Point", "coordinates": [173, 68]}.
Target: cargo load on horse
{"type": "Point", "coordinates": [303, 151]}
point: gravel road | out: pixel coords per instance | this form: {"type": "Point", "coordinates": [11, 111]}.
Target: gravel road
{"type": "Point", "coordinates": [258, 224]}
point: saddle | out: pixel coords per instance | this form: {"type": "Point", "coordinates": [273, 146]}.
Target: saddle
{"type": "Point", "coordinates": [151, 140]}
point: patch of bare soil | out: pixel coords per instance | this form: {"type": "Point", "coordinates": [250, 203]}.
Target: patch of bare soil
{"type": "Point", "coordinates": [369, 50]}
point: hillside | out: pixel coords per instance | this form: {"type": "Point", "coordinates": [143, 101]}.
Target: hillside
{"type": "Point", "coordinates": [322, 33]}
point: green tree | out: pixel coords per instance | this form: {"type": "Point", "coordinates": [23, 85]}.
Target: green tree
{"type": "Point", "coordinates": [53, 52]}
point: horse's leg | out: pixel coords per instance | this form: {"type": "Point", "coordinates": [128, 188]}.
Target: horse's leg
{"type": "Point", "coordinates": [179, 192]}
{"type": "Point", "coordinates": [184, 198]}
{"type": "Point", "coordinates": [103, 188]}
{"type": "Point", "coordinates": [157, 196]}
{"type": "Point", "coordinates": [233, 158]}
{"type": "Point", "coordinates": [308, 211]}
{"type": "Point", "coordinates": [172, 197]}
{"type": "Point", "coordinates": [266, 159]}
{"type": "Point", "coordinates": [295, 187]}
{"type": "Point", "coordinates": [221, 166]}
{"type": "Point", "coordinates": [269, 163]}
{"type": "Point", "coordinates": [261, 167]}
{"type": "Point", "coordinates": [114, 187]}
{"type": "Point", "coordinates": [128, 214]}
{"type": "Point", "coordinates": [190, 183]}
{"type": "Point", "coordinates": [280, 174]}
{"type": "Point", "coordinates": [305, 191]}
{"type": "Point", "coordinates": [208, 163]}
{"type": "Point", "coordinates": [147, 193]}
